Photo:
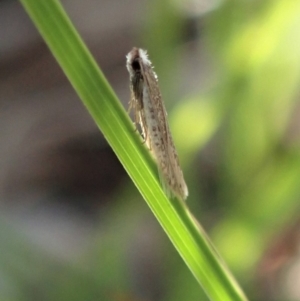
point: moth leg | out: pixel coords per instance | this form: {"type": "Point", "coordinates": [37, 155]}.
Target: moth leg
{"type": "Point", "coordinates": [143, 126]}
{"type": "Point", "coordinates": [133, 106]}
{"type": "Point", "coordinates": [146, 138]}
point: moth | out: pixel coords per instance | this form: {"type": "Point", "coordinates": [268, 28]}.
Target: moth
{"type": "Point", "coordinates": [150, 114]}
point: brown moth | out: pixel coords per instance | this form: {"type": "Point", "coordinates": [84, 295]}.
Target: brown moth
{"type": "Point", "coordinates": [150, 113]}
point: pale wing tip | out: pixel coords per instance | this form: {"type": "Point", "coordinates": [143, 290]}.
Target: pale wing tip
{"type": "Point", "coordinates": [181, 193]}
{"type": "Point", "coordinates": [184, 192]}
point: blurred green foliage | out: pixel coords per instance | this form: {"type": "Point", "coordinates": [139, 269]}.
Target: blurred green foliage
{"type": "Point", "coordinates": [249, 114]}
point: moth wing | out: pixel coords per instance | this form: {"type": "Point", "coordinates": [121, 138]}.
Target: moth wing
{"type": "Point", "coordinates": [170, 171]}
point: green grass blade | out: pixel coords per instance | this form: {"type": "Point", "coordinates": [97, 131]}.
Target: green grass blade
{"type": "Point", "coordinates": [96, 94]}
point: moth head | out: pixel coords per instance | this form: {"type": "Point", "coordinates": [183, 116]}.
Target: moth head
{"type": "Point", "coordinates": [135, 58]}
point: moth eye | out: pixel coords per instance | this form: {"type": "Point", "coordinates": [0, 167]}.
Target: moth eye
{"type": "Point", "coordinates": [136, 65]}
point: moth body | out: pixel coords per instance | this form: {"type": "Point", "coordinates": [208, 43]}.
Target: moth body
{"type": "Point", "coordinates": [150, 113]}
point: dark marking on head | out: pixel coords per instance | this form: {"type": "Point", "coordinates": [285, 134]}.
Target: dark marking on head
{"type": "Point", "coordinates": [136, 65]}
